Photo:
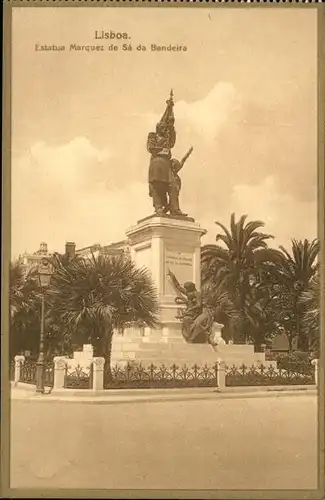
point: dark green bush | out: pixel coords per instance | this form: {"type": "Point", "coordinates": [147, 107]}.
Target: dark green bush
{"type": "Point", "coordinates": [297, 361]}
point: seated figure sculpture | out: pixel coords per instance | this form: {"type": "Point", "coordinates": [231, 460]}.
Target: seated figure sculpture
{"type": "Point", "coordinates": [197, 317]}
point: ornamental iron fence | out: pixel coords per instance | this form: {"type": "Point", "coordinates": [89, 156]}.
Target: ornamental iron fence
{"type": "Point", "coordinates": [28, 369]}
{"type": "Point", "coordinates": [27, 372]}
{"type": "Point", "coordinates": [267, 375]}
{"type": "Point", "coordinates": [49, 374]}
{"type": "Point", "coordinates": [78, 377]}
{"type": "Point", "coordinates": [136, 376]}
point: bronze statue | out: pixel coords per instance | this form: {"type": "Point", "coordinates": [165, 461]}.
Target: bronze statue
{"type": "Point", "coordinates": [197, 317]}
{"type": "Point", "coordinates": [175, 185]}
{"type": "Point", "coordinates": [164, 181]}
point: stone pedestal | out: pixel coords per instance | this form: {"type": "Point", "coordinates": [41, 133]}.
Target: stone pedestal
{"type": "Point", "coordinates": [60, 363]}
{"type": "Point", "coordinates": [162, 243]}
{"type": "Point", "coordinates": [98, 374]}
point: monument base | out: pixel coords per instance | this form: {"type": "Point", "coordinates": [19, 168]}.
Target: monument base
{"type": "Point", "coordinates": [166, 346]}
{"type": "Point", "coordinates": [167, 216]}
{"type": "Point", "coordinates": [163, 244]}
{"type": "Point", "coordinates": [159, 351]}
{"type": "Point", "coordinates": [167, 243]}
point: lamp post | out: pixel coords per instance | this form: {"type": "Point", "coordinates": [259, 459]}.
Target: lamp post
{"type": "Point", "coordinates": [44, 276]}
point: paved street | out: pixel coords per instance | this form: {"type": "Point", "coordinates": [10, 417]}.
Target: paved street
{"type": "Point", "coordinates": [253, 443]}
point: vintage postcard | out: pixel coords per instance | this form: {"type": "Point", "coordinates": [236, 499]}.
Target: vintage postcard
{"type": "Point", "coordinates": [163, 251]}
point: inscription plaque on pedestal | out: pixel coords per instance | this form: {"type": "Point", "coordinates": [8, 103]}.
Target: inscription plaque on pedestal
{"type": "Point", "coordinates": [181, 264]}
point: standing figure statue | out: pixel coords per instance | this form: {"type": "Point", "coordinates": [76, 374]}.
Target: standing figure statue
{"type": "Point", "coordinates": [175, 185]}
{"type": "Point", "coordinates": [197, 317]}
{"type": "Point", "coordinates": [164, 181]}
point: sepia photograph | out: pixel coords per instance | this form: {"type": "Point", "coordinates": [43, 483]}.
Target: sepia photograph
{"type": "Point", "coordinates": [163, 232]}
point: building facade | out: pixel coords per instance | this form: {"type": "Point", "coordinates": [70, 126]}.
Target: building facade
{"type": "Point", "coordinates": [30, 260]}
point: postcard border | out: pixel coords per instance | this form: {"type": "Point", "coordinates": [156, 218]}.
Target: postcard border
{"type": "Point", "coordinates": [6, 491]}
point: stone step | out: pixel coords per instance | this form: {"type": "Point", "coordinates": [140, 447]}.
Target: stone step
{"type": "Point", "coordinates": [239, 356]}
{"type": "Point", "coordinates": [163, 340]}
{"type": "Point", "coordinates": [240, 348]}
{"type": "Point", "coordinates": [185, 350]}
{"type": "Point", "coordinates": [127, 347]}
{"type": "Point", "coordinates": [146, 342]}
{"type": "Point", "coordinates": [171, 355]}
{"type": "Point", "coordinates": [186, 361]}
{"type": "Point", "coordinates": [126, 340]}
{"type": "Point", "coordinates": [159, 350]}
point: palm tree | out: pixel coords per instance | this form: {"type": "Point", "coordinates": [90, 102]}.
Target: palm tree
{"type": "Point", "coordinates": [225, 312]}
{"type": "Point", "coordinates": [237, 263]}
{"type": "Point", "coordinates": [97, 295]}
{"type": "Point", "coordinates": [310, 299]}
{"type": "Point", "coordinates": [24, 303]}
{"type": "Point", "coordinates": [295, 273]}
{"type": "Point", "coordinates": [299, 267]}
{"type": "Point", "coordinates": [23, 289]}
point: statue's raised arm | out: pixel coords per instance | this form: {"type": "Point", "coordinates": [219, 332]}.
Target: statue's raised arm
{"type": "Point", "coordinates": [185, 157]}
{"type": "Point", "coordinates": [179, 289]}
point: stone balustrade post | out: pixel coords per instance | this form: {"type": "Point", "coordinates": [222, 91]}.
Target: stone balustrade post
{"type": "Point", "coordinates": [221, 374]}
{"type": "Point", "coordinates": [60, 363]}
{"type": "Point", "coordinates": [98, 374]}
{"type": "Point", "coordinates": [215, 338]}
{"type": "Point", "coordinates": [19, 361]}
{"type": "Point", "coordinates": [315, 363]}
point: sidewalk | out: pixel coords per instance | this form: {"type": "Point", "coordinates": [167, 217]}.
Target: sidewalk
{"type": "Point", "coordinates": [25, 392]}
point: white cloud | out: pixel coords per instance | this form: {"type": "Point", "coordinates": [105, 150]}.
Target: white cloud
{"type": "Point", "coordinates": [66, 165]}
{"type": "Point", "coordinates": [284, 216]}
{"type": "Point", "coordinates": [56, 197]}
{"type": "Point", "coordinates": [106, 214]}
{"type": "Point", "coordinates": [208, 115]}
{"type": "Point", "coordinates": [75, 191]}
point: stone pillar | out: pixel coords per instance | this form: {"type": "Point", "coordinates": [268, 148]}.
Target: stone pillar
{"type": "Point", "coordinates": [221, 374]}
{"type": "Point", "coordinates": [60, 363]}
{"type": "Point", "coordinates": [19, 360]}
{"type": "Point", "coordinates": [215, 337]}
{"type": "Point", "coordinates": [315, 363]}
{"type": "Point", "coordinates": [98, 374]}
{"type": "Point", "coordinates": [160, 243]}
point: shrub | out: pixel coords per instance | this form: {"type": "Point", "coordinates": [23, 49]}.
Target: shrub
{"type": "Point", "coordinates": [297, 361]}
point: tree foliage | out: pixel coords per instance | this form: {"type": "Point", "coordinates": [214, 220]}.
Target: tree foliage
{"type": "Point", "coordinates": [91, 297]}
{"type": "Point", "coordinates": [238, 265]}
{"type": "Point", "coordinates": [267, 286]}
{"type": "Point", "coordinates": [24, 304]}
{"type": "Point", "coordinates": [310, 300]}
{"type": "Point", "coordinates": [295, 274]}
{"type": "Point", "coordinates": [255, 291]}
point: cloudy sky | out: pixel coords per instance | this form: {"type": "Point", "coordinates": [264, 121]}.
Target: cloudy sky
{"type": "Point", "coordinates": [245, 94]}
